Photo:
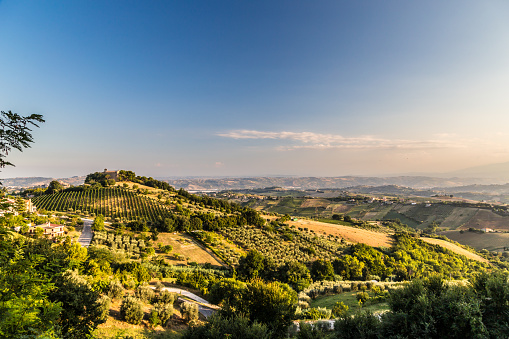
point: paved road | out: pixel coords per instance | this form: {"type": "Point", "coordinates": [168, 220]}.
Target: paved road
{"type": "Point", "coordinates": [202, 303]}
{"type": "Point", "coordinates": [86, 234]}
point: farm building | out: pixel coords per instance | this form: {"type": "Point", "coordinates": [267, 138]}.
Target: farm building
{"type": "Point", "coordinates": [50, 230]}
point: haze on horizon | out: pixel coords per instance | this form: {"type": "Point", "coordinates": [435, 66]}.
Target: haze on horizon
{"type": "Point", "coordinates": [237, 88]}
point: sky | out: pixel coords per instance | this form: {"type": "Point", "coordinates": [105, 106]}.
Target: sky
{"type": "Point", "coordinates": [257, 88]}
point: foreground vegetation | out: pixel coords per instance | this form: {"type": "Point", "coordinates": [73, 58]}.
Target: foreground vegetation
{"type": "Point", "coordinates": [276, 274]}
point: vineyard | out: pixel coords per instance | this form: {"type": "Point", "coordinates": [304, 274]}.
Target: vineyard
{"type": "Point", "coordinates": [111, 202]}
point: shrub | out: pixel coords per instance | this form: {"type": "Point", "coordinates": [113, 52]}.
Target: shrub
{"type": "Point", "coordinates": [153, 318]}
{"type": "Point", "coordinates": [164, 311]}
{"type": "Point", "coordinates": [316, 313]}
{"type": "Point", "coordinates": [236, 326]}
{"type": "Point", "coordinates": [166, 297]}
{"type": "Point", "coordinates": [362, 296]}
{"type": "Point", "coordinates": [115, 290]}
{"type": "Point", "coordinates": [144, 293]}
{"type": "Point", "coordinates": [339, 309]}
{"type": "Point", "coordinates": [104, 307]}
{"type": "Point", "coordinates": [337, 289]}
{"type": "Point", "coordinates": [159, 287]}
{"type": "Point", "coordinates": [131, 310]}
{"type": "Point", "coordinates": [362, 325]}
{"type": "Point", "coordinates": [189, 311]}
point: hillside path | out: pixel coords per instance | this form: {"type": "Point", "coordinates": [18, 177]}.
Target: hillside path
{"type": "Point", "coordinates": [86, 234]}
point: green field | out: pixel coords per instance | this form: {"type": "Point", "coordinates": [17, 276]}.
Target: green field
{"type": "Point", "coordinates": [350, 300]}
{"type": "Point", "coordinates": [392, 215]}
{"type": "Point", "coordinates": [459, 216]}
{"type": "Point", "coordinates": [489, 241]}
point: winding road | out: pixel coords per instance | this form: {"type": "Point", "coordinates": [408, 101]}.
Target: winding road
{"type": "Point", "coordinates": [86, 234]}
{"type": "Point", "coordinates": [204, 307]}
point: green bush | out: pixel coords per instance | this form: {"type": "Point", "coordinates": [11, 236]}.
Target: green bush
{"type": "Point", "coordinates": [315, 313]}
{"type": "Point", "coordinates": [153, 318]}
{"type": "Point", "coordinates": [189, 311]}
{"type": "Point", "coordinates": [339, 309]}
{"type": "Point", "coordinates": [165, 311]}
{"type": "Point", "coordinates": [159, 287]}
{"type": "Point", "coordinates": [236, 326]}
{"type": "Point", "coordinates": [166, 297]}
{"type": "Point", "coordinates": [131, 310]}
{"type": "Point", "coordinates": [115, 290]}
{"type": "Point", "coordinates": [104, 307]}
{"type": "Point", "coordinates": [376, 290]}
{"type": "Point", "coordinates": [362, 296]}
{"type": "Point", "coordinates": [144, 293]}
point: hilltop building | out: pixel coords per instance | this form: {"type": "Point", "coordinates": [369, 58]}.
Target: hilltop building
{"type": "Point", "coordinates": [113, 174]}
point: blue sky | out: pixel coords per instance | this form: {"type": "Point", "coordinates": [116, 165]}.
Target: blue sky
{"type": "Point", "coordinates": [240, 88]}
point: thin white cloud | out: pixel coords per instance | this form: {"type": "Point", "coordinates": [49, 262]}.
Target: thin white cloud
{"type": "Point", "coordinates": [310, 140]}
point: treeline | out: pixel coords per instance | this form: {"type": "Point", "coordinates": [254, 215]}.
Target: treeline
{"type": "Point", "coordinates": [184, 220]}
{"type": "Point", "coordinates": [407, 259]}
{"type": "Point", "coordinates": [104, 180]}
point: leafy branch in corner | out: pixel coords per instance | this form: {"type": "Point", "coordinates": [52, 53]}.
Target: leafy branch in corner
{"type": "Point", "coordinates": [15, 132]}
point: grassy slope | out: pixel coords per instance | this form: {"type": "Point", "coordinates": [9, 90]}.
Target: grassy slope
{"type": "Point", "coordinates": [455, 248]}
{"type": "Point", "coordinates": [350, 300]}
{"type": "Point", "coordinates": [188, 248]}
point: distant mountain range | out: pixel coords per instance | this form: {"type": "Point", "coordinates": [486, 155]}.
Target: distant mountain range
{"type": "Point", "coordinates": [499, 171]}
{"type": "Point", "coordinates": [493, 174]}
{"type": "Point", "coordinates": [478, 178]}
{"type": "Point", "coordinates": [39, 181]}
{"type": "Point", "coordinates": [303, 183]}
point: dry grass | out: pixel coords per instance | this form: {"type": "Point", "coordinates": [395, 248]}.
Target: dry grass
{"type": "Point", "coordinates": [355, 235]}
{"type": "Point", "coordinates": [455, 248]}
{"type": "Point", "coordinates": [188, 248]}
{"type": "Point", "coordinates": [115, 327]}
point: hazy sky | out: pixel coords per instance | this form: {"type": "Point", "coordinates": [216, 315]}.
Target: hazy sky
{"type": "Point", "coordinates": [208, 88]}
